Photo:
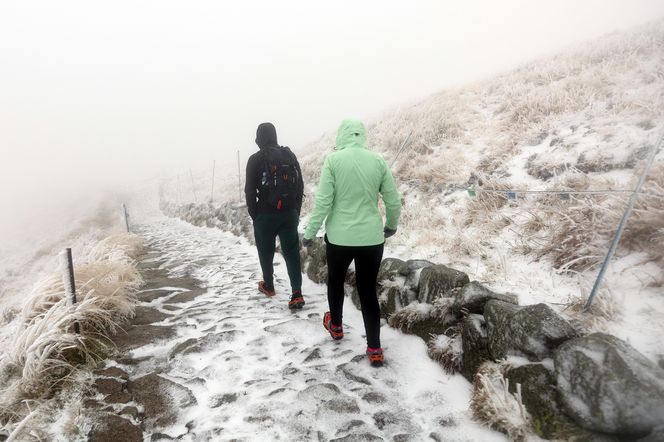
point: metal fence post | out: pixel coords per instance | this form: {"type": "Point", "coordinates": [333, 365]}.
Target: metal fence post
{"type": "Point", "coordinates": [623, 222]}
{"type": "Point", "coordinates": [69, 281]}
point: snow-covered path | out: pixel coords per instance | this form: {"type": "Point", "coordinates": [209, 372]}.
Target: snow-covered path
{"type": "Point", "coordinates": [261, 372]}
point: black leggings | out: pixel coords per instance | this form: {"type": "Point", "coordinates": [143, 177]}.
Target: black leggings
{"type": "Point", "coordinates": [367, 262]}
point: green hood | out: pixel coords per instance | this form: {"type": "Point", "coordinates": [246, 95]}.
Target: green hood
{"type": "Point", "coordinates": [351, 182]}
{"type": "Point", "coordinates": [351, 133]}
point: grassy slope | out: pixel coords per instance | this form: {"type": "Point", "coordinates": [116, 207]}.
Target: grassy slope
{"type": "Point", "coordinates": [580, 120]}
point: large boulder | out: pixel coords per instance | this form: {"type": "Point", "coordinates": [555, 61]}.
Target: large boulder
{"type": "Point", "coordinates": [435, 281]}
{"type": "Point", "coordinates": [415, 267]}
{"type": "Point", "coordinates": [475, 345]}
{"type": "Point", "coordinates": [540, 397]}
{"type": "Point", "coordinates": [533, 331]}
{"type": "Point", "coordinates": [606, 385]}
{"type": "Point", "coordinates": [317, 262]}
{"type": "Point", "coordinates": [389, 299]}
{"type": "Point", "coordinates": [391, 269]}
{"type": "Point", "coordinates": [474, 296]}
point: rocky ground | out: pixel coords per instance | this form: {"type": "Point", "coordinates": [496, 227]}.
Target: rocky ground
{"type": "Point", "coordinates": [208, 357]}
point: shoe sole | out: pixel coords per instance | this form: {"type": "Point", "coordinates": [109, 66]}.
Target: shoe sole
{"type": "Point", "coordinates": [335, 335]}
{"type": "Point", "coordinates": [296, 305]}
{"type": "Point", "coordinates": [376, 364]}
{"type": "Point", "coordinates": [266, 292]}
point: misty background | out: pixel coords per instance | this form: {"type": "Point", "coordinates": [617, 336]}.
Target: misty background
{"type": "Point", "coordinates": [100, 96]}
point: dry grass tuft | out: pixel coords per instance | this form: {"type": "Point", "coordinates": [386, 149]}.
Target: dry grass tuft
{"type": "Point", "coordinates": [447, 351]}
{"type": "Point", "coordinates": [494, 406]}
{"type": "Point", "coordinates": [645, 228]}
{"type": "Point", "coordinates": [605, 310]}
{"type": "Point", "coordinates": [46, 352]}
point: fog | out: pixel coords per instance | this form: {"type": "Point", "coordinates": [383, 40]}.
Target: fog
{"type": "Point", "coordinates": [98, 95]}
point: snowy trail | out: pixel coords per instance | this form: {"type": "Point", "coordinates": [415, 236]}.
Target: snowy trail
{"type": "Point", "coordinates": [261, 372]}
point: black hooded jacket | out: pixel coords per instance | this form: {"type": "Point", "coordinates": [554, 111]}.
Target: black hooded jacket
{"type": "Point", "coordinates": [266, 136]}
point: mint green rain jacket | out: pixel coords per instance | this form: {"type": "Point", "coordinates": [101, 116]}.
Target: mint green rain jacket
{"type": "Point", "coordinates": [347, 193]}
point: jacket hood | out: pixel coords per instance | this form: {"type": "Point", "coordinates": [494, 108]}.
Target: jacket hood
{"type": "Point", "coordinates": [266, 135]}
{"type": "Point", "coordinates": [351, 134]}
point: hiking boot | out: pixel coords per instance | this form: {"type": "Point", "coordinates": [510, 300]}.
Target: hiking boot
{"type": "Point", "coordinates": [297, 301]}
{"type": "Point", "coordinates": [336, 331]}
{"type": "Point", "coordinates": [375, 356]}
{"type": "Point", "coordinates": [263, 289]}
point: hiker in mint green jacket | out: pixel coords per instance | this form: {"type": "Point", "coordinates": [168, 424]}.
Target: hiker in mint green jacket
{"type": "Point", "coordinates": [347, 199]}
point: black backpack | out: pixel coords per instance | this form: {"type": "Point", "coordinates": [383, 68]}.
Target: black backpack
{"type": "Point", "coordinates": [280, 178]}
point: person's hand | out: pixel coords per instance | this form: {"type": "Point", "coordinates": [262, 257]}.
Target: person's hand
{"type": "Point", "coordinates": [307, 242]}
{"type": "Point", "coordinates": [389, 232]}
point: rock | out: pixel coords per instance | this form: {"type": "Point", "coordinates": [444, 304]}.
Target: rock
{"type": "Point", "coordinates": [437, 280]}
{"type": "Point", "coordinates": [328, 397]}
{"type": "Point", "coordinates": [161, 281]}
{"type": "Point", "coordinates": [473, 296]}
{"type": "Point", "coordinates": [129, 411]}
{"type": "Point", "coordinates": [385, 418]}
{"type": "Point", "coordinates": [389, 299]}
{"type": "Point", "coordinates": [147, 315]}
{"type": "Point", "coordinates": [606, 385]}
{"type": "Point", "coordinates": [415, 267]}
{"type": "Point", "coordinates": [533, 331]}
{"type": "Point", "coordinates": [161, 398]}
{"type": "Point", "coordinates": [187, 296]}
{"type": "Point", "coordinates": [352, 425]}
{"type": "Point", "coordinates": [112, 428]}
{"type": "Point", "coordinates": [475, 344]}
{"type": "Point", "coordinates": [91, 403]}
{"type": "Point", "coordinates": [151, 295]}
{"type": "Point", "coordinates": [363, 437]}
{"type": "Point", "coordinates": [121, 397]}
{"type": "Point", "coordinates": [112, 372]}
{"type": "Point", "coordinates": [315, 354]}
{"type": "Point", "coordinates": [197, 345]}
{"type": "Point", "coordinates": [391, 268]}
{"type": "Point", "coordinates": [374, 398]}
{"type": "Point", "coordinates": [108, 386]}
{"type": "Point", "coordinates": [657, 435]}
{"type": "Point", "coordinates": [354, 296]}
{"type": "Point", "coordinates": [342, 405]}
{"type": "Point", "coordinates": [317, 262]}
{"type": "Point", "coordinates": [140, 335]}
{"type": "Point", "coordinates": [538, 394]}
{"type": "Point", "coordinates": [220, 399]}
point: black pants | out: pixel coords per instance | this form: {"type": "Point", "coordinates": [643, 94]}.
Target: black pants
{"type": "Point", "coordinates": [367, 262]}
{"type": "Point", "coordinates": [267, 226]}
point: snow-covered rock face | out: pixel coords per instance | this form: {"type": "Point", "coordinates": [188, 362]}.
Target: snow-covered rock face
{"type": "Point", "coordinates": [475, 344]}
{"type": "Point", "coordinates": [533, 331]}
{"type": "Point", "coordinates": [606, 385]}
{"type": "Point", "coordinates": [474, 296]}
{"type": "Point", "coordinates": [436, 280]}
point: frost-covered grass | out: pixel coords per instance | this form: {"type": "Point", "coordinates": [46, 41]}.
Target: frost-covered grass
{"type": "Point", "coordinates": [446, 351]}
{"type": "Point", "coordinates": [45, 352]}
{"type": "Point", "coordinates": [494, 405]}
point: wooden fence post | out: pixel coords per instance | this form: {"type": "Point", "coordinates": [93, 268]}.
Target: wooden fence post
{"type": "Point", "coordinates": [69, 281]}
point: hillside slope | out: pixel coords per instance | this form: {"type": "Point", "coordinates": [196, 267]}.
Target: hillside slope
{"type": "Point", "coordinates": [580, 121]}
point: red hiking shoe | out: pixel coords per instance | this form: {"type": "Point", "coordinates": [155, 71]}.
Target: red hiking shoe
{"type": "Point", "coordinates": [375, 356]}
{"type": "Point", "coordinates": [297, 301]}
{"type": "Point", "coordinates": [336, 331]}
{"type": "Point", "coordinates": [263, 289]}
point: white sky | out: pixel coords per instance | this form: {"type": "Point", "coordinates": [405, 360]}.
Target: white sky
{"type": "Point", "coordinates": [93, 92]}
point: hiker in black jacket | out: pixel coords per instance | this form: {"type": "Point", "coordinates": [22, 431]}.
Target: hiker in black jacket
{"type": "Point", "coordinates": [274, 190]}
